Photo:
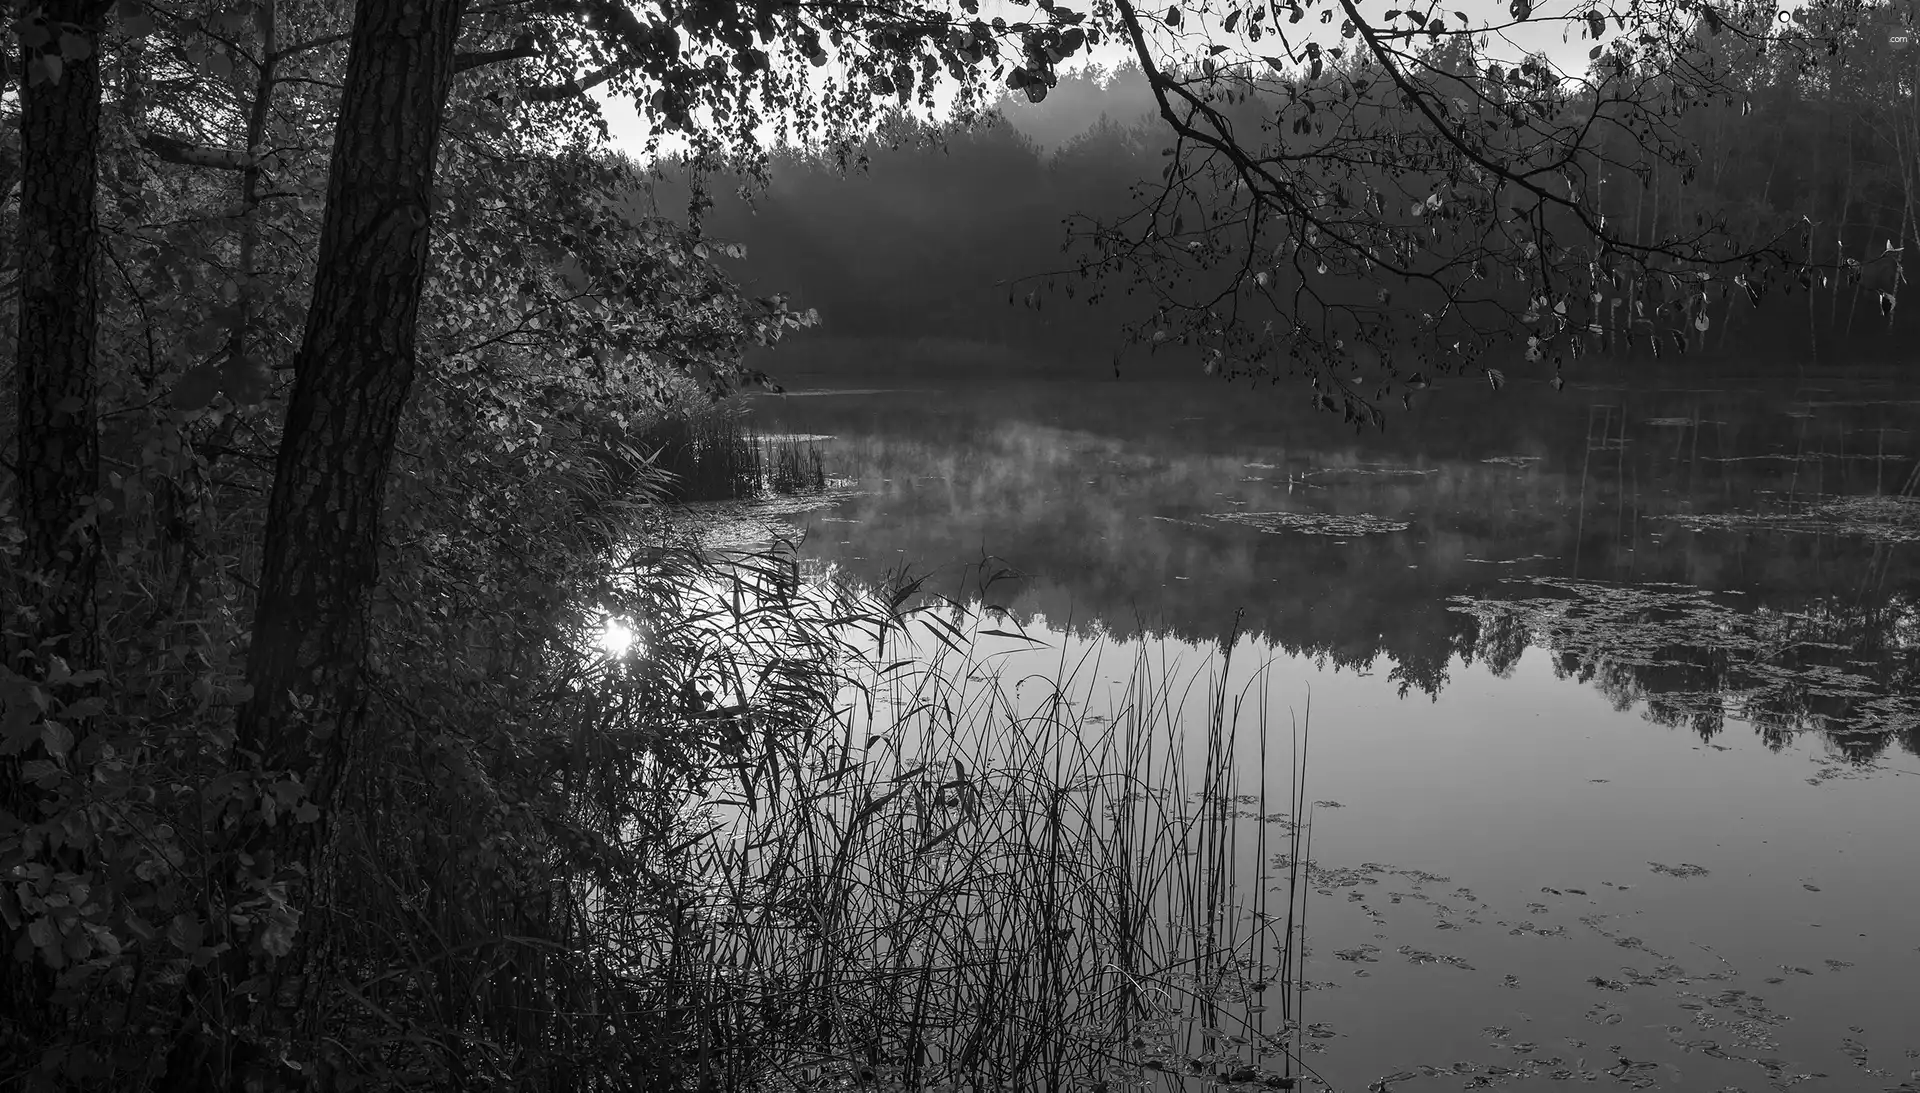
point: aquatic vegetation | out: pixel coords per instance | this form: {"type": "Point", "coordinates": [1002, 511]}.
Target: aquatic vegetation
{"type": "Point", "coordinates": [1684, 869]}
{"type": "Point", "coordinates": [738, 524]}
{"type": "Point", "coordinates": [716, 457]}
{"type": "Point", "coordinates": [1312, 523]}
{"type": "Point", "coordinates": [1382, 470]}
{"type": "Point", "coordinates": [955, 880]}
{"type": "Point", "coordinates": [1888, 519]}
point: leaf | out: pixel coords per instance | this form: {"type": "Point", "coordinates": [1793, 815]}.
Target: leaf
{"type": "Point", "coordinates": [75, 47]}
{"type": "Point", "coordinates": [18, 729]}
{"type": "Point", "coordinates": [1173, 15]}
{"type": "Point", "coordinates": [1496, 378]}
{"type": "Point", "coordinates": [1011, 634]}
{"type": "Point", "coordinates": [57, 738]}
{"type": "Point", "coordinates": [217, 65]}
{"type": "Point", "coordinates": [184, 932]}
{"type": "Point", "coordinates": [1519, 9]}
{"type": "Point", "coordinates": [91, 706]}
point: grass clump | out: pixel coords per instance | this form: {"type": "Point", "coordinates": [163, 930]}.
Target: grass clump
{"type": "Point", "coordinates": [948, 884]}
{"type": "Point", "coordinates": [716, 457]}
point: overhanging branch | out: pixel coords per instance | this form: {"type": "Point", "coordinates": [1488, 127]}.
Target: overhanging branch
{"type": "Point", "coordinates": [522, 48]}
{"type": "Point", "coordinates": [579, 85]}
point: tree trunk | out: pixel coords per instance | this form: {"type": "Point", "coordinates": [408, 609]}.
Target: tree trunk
{"type": "Point", "coordinates": [58, 440]}
{"type": "Point", "coordinates": [58, 447]}
{"type": "Point", "coordinates": [306, 663]}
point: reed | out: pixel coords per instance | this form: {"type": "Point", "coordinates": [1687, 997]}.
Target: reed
{"type": "Point", "coordinates": [717, 457]}
{"type": "Point", "coordinates": [803, 835]}
{"type": "Point", "coordinates": [955, 885]}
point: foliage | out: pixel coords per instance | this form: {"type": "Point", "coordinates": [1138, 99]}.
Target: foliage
{"type": "Point", "coordinates": [314, 781]}
{"type": "Point", "coordinates": [1406, 198]}
{"type": "Point", "coordinates": [896, 249]}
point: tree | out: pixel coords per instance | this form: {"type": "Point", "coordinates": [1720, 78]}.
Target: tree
{"type": "Point", "coordinates": [57, 449]}
{"type": "Point", "coordinates": [1458, 189]}
{"type": "Point", "coordinates": [354, 370]}
{"type": "Point", "coordinates": [1454, 145]}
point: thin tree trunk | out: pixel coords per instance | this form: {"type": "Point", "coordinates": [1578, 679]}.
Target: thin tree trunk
{"type": "Point", "coordinates": [306, 663]}
{"type": "Point", "coordinates": [57, 448]}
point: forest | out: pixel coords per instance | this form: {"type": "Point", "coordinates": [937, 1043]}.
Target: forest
{"type": "Point", "coordinates": [333, 334]}
{"type": "Point", "coordinates": [1816, 156]}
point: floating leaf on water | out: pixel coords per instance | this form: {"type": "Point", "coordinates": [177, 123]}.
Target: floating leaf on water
{"type": "Point", "coordinates": [1312, 523]}
{"type": "Point", "coordinates": [1684, 869]}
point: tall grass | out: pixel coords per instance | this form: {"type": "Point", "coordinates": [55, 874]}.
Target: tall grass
{"type": "Point", "coordinates": [955, 886]}
{"type": "Point", "coordinates": [718, 458]}
{"type": "Point", "coordinates": [807, 835]}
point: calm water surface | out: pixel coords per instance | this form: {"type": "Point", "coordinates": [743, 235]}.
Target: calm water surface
{"type": "Point", "coordinates": [1613, 690]}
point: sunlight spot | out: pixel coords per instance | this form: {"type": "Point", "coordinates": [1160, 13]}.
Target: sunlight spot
{"type": "Point", "coordinates": [616, 638]}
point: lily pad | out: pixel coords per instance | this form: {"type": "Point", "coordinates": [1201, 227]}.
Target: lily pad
{"type": "Point", "coordinates": [1311, 523]}
{"type": "Point", "coordinates": [1684, 869]}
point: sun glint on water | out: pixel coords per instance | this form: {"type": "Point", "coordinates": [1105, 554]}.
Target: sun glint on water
{"type": "Point", "coordinates": [617, 638]}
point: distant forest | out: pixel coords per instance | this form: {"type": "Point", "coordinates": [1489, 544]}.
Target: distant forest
{"type": "Point", "coordinates": [930, 234]}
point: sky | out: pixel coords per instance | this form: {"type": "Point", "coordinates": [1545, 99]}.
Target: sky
{"type": "Point", "coordinates": [1550, 32]}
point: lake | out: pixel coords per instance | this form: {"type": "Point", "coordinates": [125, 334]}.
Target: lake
{"type": "Point", "coordinates": [1613, 692]}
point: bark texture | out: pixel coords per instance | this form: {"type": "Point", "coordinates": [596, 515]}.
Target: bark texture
{"type": "Point", "coordinates": [57, 444]}
{"type": "Point", "coordinates": [307, 660]}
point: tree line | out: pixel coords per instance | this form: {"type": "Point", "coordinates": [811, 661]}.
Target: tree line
{"type": "Point", "coordinates": [964, 233]}
{"type": "Point", "coordinates": [328, 327]}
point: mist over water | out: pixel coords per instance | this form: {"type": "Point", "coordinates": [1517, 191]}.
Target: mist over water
{"type": "Point", "coordinates": [1611, 691]}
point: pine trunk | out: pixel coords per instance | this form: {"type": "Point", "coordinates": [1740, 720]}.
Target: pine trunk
{"type": "Point", "coordinates": [57, 442]}
{"type": "Point", "coordinates": [307, 660]}
{"type": "Point", "coordinates": [58, 446]}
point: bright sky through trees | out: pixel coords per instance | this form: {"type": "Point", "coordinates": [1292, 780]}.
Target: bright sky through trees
{"type": "Point", "coordinates": [1549, 31]}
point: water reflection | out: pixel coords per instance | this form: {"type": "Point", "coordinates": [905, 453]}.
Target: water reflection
{"type": "Point", "coordinates": [1500, 888]}
{"type": "Point", "coordinates": [1737, 552]}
